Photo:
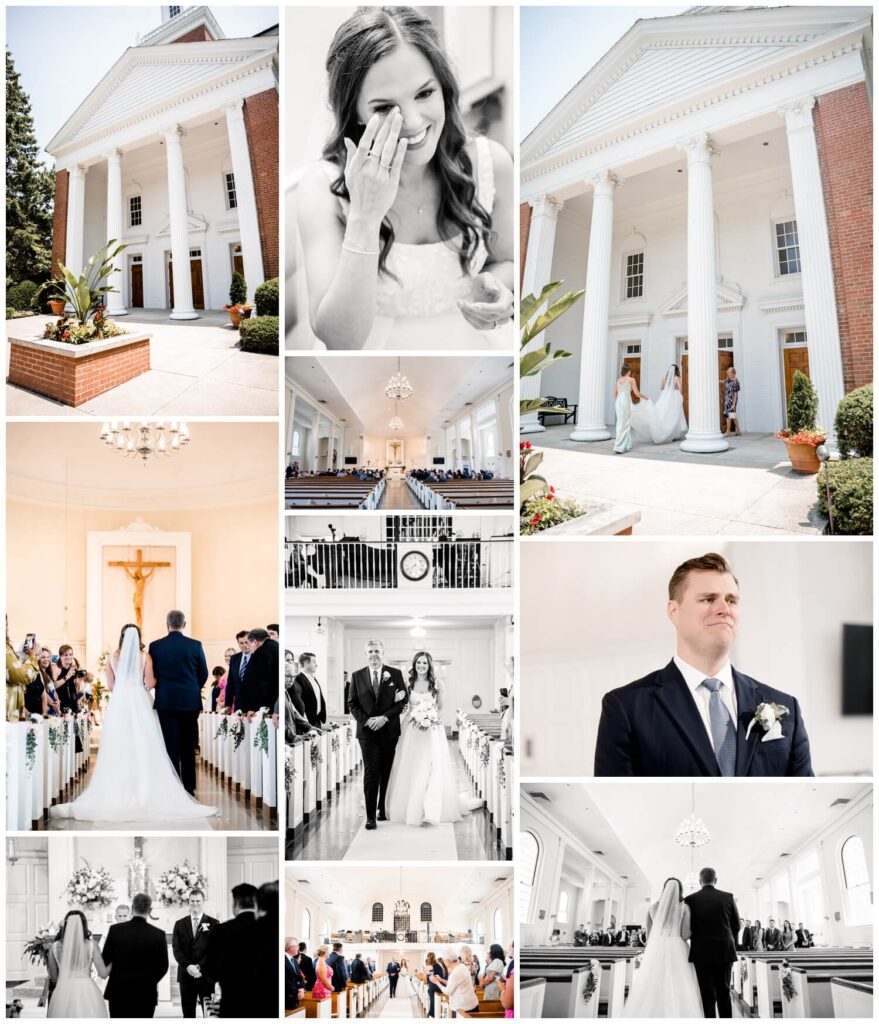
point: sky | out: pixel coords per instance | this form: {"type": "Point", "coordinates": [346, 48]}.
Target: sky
{"type": "Point", "coordinates": [94, 38]}
{"type": "Point", "coordinates": [561, 44]}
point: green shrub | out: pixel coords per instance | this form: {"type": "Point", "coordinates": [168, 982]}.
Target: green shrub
{"type": "Point", "coordinates": [260, 334]}
{"type": "Point", "coordinates": [21, 296]}
{"type": "Point", "coordinates": [238, 290]}
{"type": "Point", "coordinates": [854, 423]}
{"type": "Point", "coordinates": [267, 297]}
{"type": "Point", "coordinates": [802, 406]}
{"type": "Point", "coordinates": [851, 491]}
{"type": "Point", "coordinates": [10, 312]}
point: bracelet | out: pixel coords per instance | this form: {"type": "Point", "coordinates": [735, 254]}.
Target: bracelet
{"type": "Point", "coordinates": [360, 252]}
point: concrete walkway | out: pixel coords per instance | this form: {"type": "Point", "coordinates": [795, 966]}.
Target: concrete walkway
{"type": "Point", "coordinates": [747, 490]}
{"type": "Point", "coordinates": [197, 369]}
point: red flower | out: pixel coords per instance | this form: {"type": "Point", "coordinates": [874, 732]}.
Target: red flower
{"type": "Point", "coordinates": [552, 490]}
{"type": "Point", "coordinates": [524, 446]}
{"type": "Point", "coordinates": [535, 519]}
{"type": "Point", "coordinates": [549, 497]}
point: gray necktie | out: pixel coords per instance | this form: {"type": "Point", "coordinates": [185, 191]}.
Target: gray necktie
{"type": "Point", "coordinates": [723, 729]}
{"type": "Point", "coordinates": [375, 682]}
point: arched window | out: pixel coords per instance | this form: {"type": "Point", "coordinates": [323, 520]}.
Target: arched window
{"type": "Point", "coordinates": [498, 930]}
{"type": "Point", "coordinates": [562, 916]}
{"type": "Point", "coordinates": [296, 443]}
{"type": "Point", "coordinates": [426, 913]}
{"type": "Point", "coordinates": [480, 932]}
{"type": "Point", "coordinates": [306, 926]}
{"type": "Point", "coordinates": [529, 854]}
{"type": "Point", "coordinates": [378, 913]}
{"type": "Point", "coordinates": [326, 935]}
{"type": "Point", "coordinates": [856, 882]}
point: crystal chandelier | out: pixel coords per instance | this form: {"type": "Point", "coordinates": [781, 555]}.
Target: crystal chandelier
{"type": "Point", "coordinates": [398, 387]}
{"type": "Point", "coordinates": [396, 423]}
{"type": "Point", "coordinates": [144, 438]}
{"type": "Point", "coordinates": [692, 832]}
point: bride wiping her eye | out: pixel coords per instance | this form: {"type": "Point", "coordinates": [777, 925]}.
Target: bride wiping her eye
{"type": "Point", "coordinates": [405, 225]}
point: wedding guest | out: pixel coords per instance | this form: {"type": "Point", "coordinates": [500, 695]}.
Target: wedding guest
{"type": "Point", "coordinates": [189, 943]}
{"type": "Point", "coordinates": [472, 963]}
{"type": "Point", "coordinates": [53, 704]}
{"type": "Point", "coordinates": [294, 983]}
{"type": "Point", "coordinates": [772, 936]}
{"type": "Point", "coordinates": [306, 965]}
{"type": "Point", "coordinates": [809, 940]}
{"type": "Point", "coordinates": [433, 972]}
{"type": "Point", "coordinates": [36, 697]}
{"type": "Point", "coordinates": [273, 629]}
{"type": "Point", "coordinates": [359, 970]}
{"type": "Point", "coordinates": [787, 936]}
{"type": "Point", "coordinates": [757, 937]}
{"type": "Point", "coordinates": [336, 963]}
{"type": "Point", "coordinates": [493, 970]}
{"type": "Point", "coordinates": [306, 692]}
{"type": "Point", "coordinates": [218, 674]}
{"type": "Point", "coordinates": [323, 985]}
{"type": "Point", "coordinates": [511, 959]}
{"type": "Point", "coordinates": [746, 936]}
{"type": "Point", "coordinates": [231, 952]}
{"type": "Point", "coordinates": [731, 389]}
{"type": "Point", "coordinates": [233, 676]}
{"type": "Point", "coordinates": [508, 992]}
{"type": "Point", "coordinates": [64, 676]}
{"type": "Point", "coordinates": [258, 687]}
{"type": "Point", "coordinates": [136, 954]}
{"type": "Point", "coordinates": [458, 987]}
{"type": "Point", "coordinates": [801, 936]}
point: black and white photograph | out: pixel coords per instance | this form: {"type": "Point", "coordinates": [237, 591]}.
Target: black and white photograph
{"type": "Point", "coordinates": [691, 900]}
{"type": "Point", "coordinates": [141, 926]}
{"type": "Point", "coordinates": [399, 178]}
{"type": "Point", "coordinates": [400, 942]}
{"type": "Point", "coordinates": [745, 659]}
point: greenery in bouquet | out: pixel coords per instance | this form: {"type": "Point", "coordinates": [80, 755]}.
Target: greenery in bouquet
{"type": "Point", "coordinates": [36, 949]}
{"type": "Point", "coordinates": [175, 884]}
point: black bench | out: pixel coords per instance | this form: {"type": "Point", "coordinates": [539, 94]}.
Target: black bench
{"type": "Point", "coordinates": [556, 407]}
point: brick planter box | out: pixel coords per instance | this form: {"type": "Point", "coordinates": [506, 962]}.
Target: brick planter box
{"type": "Point", "coordinates": [73, 374]}
{"type": "Point", "coordinates": [602, 519]}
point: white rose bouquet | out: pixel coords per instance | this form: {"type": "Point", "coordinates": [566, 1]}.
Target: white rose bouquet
{"type": "Point", "coordinates": [424, 715]}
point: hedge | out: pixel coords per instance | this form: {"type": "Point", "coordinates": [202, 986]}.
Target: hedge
{"type": "Point", "coordinates": [260, 334]}
{"type": "Point", "coordinates": [854, 423]}
{"type": "Point", "coordinates": [21, 296]}
{"type": "Point", "coordinates": [267, 298]}
{"type": "Point", "coordinates": [851, 491]}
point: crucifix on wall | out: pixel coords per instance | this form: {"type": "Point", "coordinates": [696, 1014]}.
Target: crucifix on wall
{"type": "Point", "coordinates": [135, 572]}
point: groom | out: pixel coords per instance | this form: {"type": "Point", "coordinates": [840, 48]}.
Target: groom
{"type": "Point", "coordinates": [181, 671]}
{"type": "Point", "coordinates": [714, 925]}
{"type": "Point", "coordinates": [137, 954]}
{"type": "Point", "coordinates": [376, 697]}
{"type": "Point", "coordinates": [694, 717]}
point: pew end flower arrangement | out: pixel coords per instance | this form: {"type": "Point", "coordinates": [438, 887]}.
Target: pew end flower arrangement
{"type": "Point", "coordinates": [540, 508]}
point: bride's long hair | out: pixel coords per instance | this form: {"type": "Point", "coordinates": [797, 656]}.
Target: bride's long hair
{"type": "Point", "coordinates": [125, 628]}
{"type": "Point", "coordinates": [70, 914]}
{"type": "Point", "coordinates": [431, 676]}
{"type": "Point", "coordinates": [680, 887]}
{"type": "Point", "coordinates": [360, 42]}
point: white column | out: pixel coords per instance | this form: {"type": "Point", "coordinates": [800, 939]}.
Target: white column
{"type": "Point", "coordinates": [214, 865]}
{"type": "Point", "coordinates": [537, 274]}
{"type": "Point", "coordinates": [248, 220]}
{"type": "Point", "coordinates": [819, 294]}
{"type": "Point", "coordinates": [586, 910]}
{"type": "Point", "coordinates": [291, 414]}
{"type": "Point", "coordinates": [591, 419]}
{"type": "Point", "coordinates": [500, 462]}
{"type": "Point", "coordinates": [475, 445]}
{"type": "Point", "coordinates": [361, 451]}
{"type": "Point", "coordinates": [115, 304]}
{"type": "Point", "coordinates": [183, 308]}
{"type": "Point", "coordinates": [311, 461]}
{"type": "Point", "coordinates": [459, 456]}
{"type": "Point", "coordinates": [703, 369]}
{"type": "Point", "coordinates": [75, 219]}
{"type": "Point", "coordinates": [61, 859]}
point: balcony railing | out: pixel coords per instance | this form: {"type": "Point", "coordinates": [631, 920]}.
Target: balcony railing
{"type": "Point", "coordinates": [354, 564]}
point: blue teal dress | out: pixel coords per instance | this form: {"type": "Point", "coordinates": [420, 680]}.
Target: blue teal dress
{"type": "Point", "coordinates": [623, 408]}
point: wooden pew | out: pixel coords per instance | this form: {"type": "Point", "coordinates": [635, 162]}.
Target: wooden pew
{"type": "Point", "coordinates": [333, 492]}
{"type": "Point", "coordinates": [851, 998]}
{"type": "Point", "coordinates": [531, 994]}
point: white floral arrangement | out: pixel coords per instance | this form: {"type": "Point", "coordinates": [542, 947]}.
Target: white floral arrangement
{"type": "Point", "coordinates": [424, 716]}
{"type": "Point", "coordinates": [175, 884]}
{"type": "Point", "coordinates": [91, 887]}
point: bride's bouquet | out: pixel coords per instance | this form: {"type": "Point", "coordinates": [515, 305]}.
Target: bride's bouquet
{"type": "Point", "coordinates": [91, 887]}
{"type": "Point", "coordinates": [424, 716]}
{"type": "Point", "coordinates": [37, 948]}
{"type": "Point", "coordinates": [175, 884]}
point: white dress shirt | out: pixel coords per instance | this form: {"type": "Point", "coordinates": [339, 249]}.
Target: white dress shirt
{"type": "Point", "coordinates": [315, 687]}
{"type": "Point", "coordinates": [694, 678]}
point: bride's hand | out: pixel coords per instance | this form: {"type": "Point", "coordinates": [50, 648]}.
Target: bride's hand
{"type": "Point", "coordinates": [372, 170]}
{"type": "Point", "coordinates": [491, 303]}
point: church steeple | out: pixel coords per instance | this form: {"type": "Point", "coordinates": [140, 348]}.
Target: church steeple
{"type": "Point", "coordinates": [184, 25]}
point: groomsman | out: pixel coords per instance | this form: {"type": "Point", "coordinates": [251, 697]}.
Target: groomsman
{"type": "Point", "coordinates": [745, 944]}
{"type": "Point", "coordinates": [259, 683]}
{"type": "Point", "coordinates": [233, 679]}
{"type": "Point", "coordinates": [336, 963]}
{"type": "Point", "coordinates": [772, 937]}
{"type": "Point", "coordinates": [306, 965]}
{"type": "Point", "coordinates": [306, 692]}
{"type": "Point", "coordinates": [232, 948]}
{"type": "Point", "coordinates": [189, 944]}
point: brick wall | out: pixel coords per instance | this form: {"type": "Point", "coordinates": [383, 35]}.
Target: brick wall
{"type": "Point", "coordinates": [843, 129]}
{"type": "Point", "coordinates": [59, 220]}
{"type": "Point", "coordinates": [261, 122]}
{"type": "Point", "coordinates": [524, 228]}
{"type": "Point", "coordinates": [74, 381]}
{"type": "Point", "coordinates": [195, 35]}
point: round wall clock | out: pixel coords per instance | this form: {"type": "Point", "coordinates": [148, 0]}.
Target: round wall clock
{"type": "Point", "coordinates": [414, 566]}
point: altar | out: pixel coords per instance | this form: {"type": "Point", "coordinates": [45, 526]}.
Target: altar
{"type": "Point", "coordinates": [395, 458]}
{"type": "Point", "coordinates": [395, 472]}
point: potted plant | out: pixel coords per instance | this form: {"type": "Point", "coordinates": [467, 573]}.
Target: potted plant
{"type": "Point", "coordinates": [53, 293]}
{"type": "Point", "coordinates": [802, 436]}
{"type": "Point", "coordinates": [238, 309]}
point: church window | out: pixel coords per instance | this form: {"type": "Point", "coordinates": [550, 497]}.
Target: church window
{"type": "Point", "coordinates": [562, 915]}
{"type": "Point", "coordinates": [173, 11]}
{"type": "Point", "coordinates": [856, 881]}
{"type": "Point", "coordinates": [135, 211]}
{"type": "Point", "coordinates": [306, 926]}
{"type": "Point", "coordinates": [529, 854]}
{"type": "Point", "coordinates": [231, 194]}
{"type": "Point", "coordinates": [787, 247]}
{"type": "Point", "coordinates": [498, 927]}
{"type": "Point", "coordinates": [490, 450]}
{"type": "Point", "coordinates": [635, 275]}
{"type": "Point", "coordinates": [378, 913]}
{"type": "Point", "coordinates": [295, 447]}
{"type": "Point", "coordinates": [426, 913]}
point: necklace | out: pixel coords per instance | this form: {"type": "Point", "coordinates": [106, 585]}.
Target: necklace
{"type": "Point", "coordinates": [420, 201]}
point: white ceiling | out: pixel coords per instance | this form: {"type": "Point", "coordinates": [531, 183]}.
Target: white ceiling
{"type": "Point", "coordinates": [350, 889]}
{"type": "Point", "coordinates": [751, 826]}
{"type": "Point", "coordinates": [68, 463]}
{"type": "Point", "coordinates": [352, 390]}
{"type": "Point", "coordinates": [387, 624]}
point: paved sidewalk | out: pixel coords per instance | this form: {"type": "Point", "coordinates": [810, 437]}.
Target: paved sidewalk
{"type": "Point", "coordinates": [747, 490]}
{"type": "Point", "coordinates": [197, 369]}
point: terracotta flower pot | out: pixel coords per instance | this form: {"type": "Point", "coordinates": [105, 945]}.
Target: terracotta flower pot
{"type": "Point", "coordinates": [238, 313]}
{"type": "Point", "coordinates": [802, 458]}
{"type": "Point", "coordinates": [56, 306]}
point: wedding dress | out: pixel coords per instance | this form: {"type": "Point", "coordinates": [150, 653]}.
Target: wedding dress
{"type": "Point", "coordinates": [133, 779]}
{"type": "Point", "coordinates": [75, 995]}
{"type": "Point", "coordinates": [665, 984]}
{"type": "Point", "coordinates": [422, 784]}
{"type": "Point", "coordinates": [661, 421]}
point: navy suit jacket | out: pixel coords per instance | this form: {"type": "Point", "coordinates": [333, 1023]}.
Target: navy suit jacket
{"type": "Point", "coordinates": [181, 671]}
{"type": "Point", "coordinates": [714, 924]}
{"type": "Point", "coordinates": [233, 681]}
{"type": "Point", "coordinates": [652, 727]}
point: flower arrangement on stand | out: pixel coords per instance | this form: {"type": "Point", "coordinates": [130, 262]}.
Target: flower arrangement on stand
{"type": "Point", "coordinates": [223, 727]}
{"type": "Point", "coordinates": [175, 885]}
{"type": "Point", "coordinates": [91, 888]}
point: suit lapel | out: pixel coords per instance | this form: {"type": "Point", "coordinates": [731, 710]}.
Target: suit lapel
{"type": "Point", "coordinates": [747, 699]}
{"type": "Point", "coordinates": [674, 697]}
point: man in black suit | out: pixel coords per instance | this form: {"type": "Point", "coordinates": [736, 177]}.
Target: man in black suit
{"type": "Point", "coordinates": [746, 936]}
{"type": "Point", "coordinates": [800, 937]}
{"type": "Point", "coordinates": [307, 694]}
{"type": "Point", "coordinates": [714, 925]}
{"type": "Point", "coordinates": [232, 949]}
{"type": "Point", "coordinates": [376, 696]}
{"type": "Point", "coordinates": [259, 683]}
{"type": "Point", "coordinates": [189, 944]}
{"type": "Point", "coordinates": [306, 965]}
{"type": "Point", "coordinates": [772, 936]}
{"type": "Point", "coordinates": [137, 955]}
{"type": "Point", "coordinates": [359, 970]}
{"type": "Point", "coordinates": [696, 715]}
{"type": "Point", "coordinates": [393, 972]}
{"type": "Point", "coordinates": [181, 671]}
{"type": "Point", "coordinates": [294, 983]}
{"type": "Point", "coordinates": [233, 677]}
{"type": "Point", "coordinates": [336, 963]}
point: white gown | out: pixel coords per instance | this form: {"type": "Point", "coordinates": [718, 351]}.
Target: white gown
{"type": "Point", "coordinates": [76, 996]}
{"type": "Point", "coordinates": [133, 779]}
{"type": "Point", "coordinates": [661, 421]}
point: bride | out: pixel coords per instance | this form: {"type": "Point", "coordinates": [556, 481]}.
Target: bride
{"type": "Point", "coordinates": [71, 958]}
{"type": "Point", "coordinates": [133, 779]}
{"type": "Point", "coordinates": [665, 984]}
{"type": "Point", "coordinates": [663, 420]}
{"type": "Point", "coordinates": [421, 789]}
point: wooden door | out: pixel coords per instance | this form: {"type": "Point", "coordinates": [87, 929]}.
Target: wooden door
{"type": "Point", "coordinates": [634, 365]}
{"type": "Point", "coordinates": [197, 283]}
{"type": "Point", "coordinates": [136, 286]}
{"type": "Point", "coordinates": [238, 263]}
{"type": "Point", "coordinates": [794, 359]}
{"type": "Point", "coordinates": [724, 361]}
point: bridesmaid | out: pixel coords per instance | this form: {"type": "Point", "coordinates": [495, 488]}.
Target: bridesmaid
{"type": "Point", "coordinates": [623, 391]}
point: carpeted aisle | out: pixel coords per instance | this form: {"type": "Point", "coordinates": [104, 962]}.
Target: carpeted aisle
{"type": "Point", "coordinates": [390, 841]}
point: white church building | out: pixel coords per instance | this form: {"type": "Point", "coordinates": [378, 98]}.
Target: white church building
{"type": "Point", "coordinates": [175, 153]}
{"type": "Point", "coordinates": [709, 183]}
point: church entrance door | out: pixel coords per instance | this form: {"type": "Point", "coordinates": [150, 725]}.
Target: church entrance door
{"type": "Point", "coordinates": [195, 274]}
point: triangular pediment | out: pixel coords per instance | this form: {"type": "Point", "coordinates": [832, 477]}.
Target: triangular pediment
{"type": "Point", "coordinates": [195, 225]}
{"type": "Point", "coordinates": [729, 299]}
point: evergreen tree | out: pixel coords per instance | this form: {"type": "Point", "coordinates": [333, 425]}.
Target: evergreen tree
{"type": "Point", "coordinates": [30, 190]}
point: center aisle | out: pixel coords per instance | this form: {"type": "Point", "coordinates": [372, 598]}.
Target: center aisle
{"type": "Point", "coordinates": [433, 842]}
{"type": "Point", "coordinates": [404, 1006]}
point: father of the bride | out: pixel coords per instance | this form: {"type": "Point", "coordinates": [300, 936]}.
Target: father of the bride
{"type": "Point", "coordinates": [181, 671]}
{"type": "Point", "coordinates": [698, 715]}
{"type": "Point", "coordinates": [137, 954]}
{"type": "Point", "coordinates": [376, 697]}
{"type": "Point", "coordinates": [714, 925]}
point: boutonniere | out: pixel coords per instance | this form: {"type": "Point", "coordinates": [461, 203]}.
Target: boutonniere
{"type": "Point", "coordinates": [204, 927]}
{"type": "Point", "coordinates": [768, 717]}
{"type": "Point", "coordinates": [386, 676]}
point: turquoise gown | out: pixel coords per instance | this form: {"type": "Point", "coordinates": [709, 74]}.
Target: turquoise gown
{"type": "Point", "coordinates": [623, 407]}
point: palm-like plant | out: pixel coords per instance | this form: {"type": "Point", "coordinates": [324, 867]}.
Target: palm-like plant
{"type": "Point", "coordinates": [86, 292]}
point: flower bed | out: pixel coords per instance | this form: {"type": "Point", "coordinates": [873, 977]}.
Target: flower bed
{"type": "Point", "coordinates": [561, 517]}
{"type": "Point", "coordinates": [74, 333]}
